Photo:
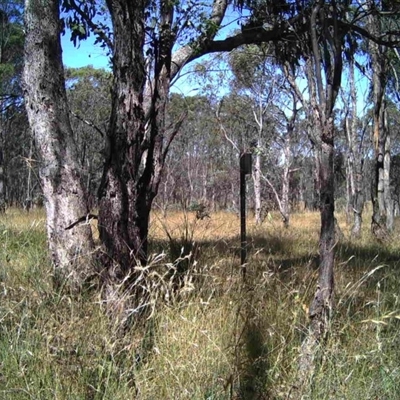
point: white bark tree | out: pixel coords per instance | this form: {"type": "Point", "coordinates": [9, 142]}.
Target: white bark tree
{"type": "Point", "coordinates": [48, 113]}
{"type": "Point", "coordinates": [355, 137]}
{"type": "Point", "coordinates": [382, 217]}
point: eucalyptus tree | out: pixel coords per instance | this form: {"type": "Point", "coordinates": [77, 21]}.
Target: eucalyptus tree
{"type": "Point", "coordinates": [292, 147]}
{"type": "Point", "coordinates": [206, 153]}
{"type": "Point", "coordinates": [244, 114]}
{"type": "Point", "coordinates": [255, 78]}
{"type": "Point", "coordinates": [393, 118]}
{"type": "Point", "coordinates": [11, 52]}
{"type": "Point", "coordinates": [258, 76]}
{"type": "Point", "coordinates": [353, 129]}
{"type": "Point", "coordinates": [321, 50]}
{"type": "Point", "coordinates": [150, 42]}
{"type": "Point", "coordinates": [394, 122]}
{"type": "Point", "coordinates": [189, 175]}
{"type": "Point", "coordinates": [382, 216]}
{"type": "Point", "coordinates": [384, 63]}
{"type": "Point", "coordinates": [60, 172]}
{"type": "Point", "coordinates": [356, 134]}
{"type": "Point", "coordinates": [242, 121]}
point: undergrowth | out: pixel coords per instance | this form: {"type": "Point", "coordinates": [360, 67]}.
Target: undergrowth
{"type": "Point", "coordinates": [209, 335]}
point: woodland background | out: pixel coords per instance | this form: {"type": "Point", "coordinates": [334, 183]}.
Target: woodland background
{"type": "Point", "coordinates": [311, 90]}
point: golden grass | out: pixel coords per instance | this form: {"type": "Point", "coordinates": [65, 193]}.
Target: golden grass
{"type": "Point", "coordinates": [16, 219]}
{"type": "Point", "coordinates": [226, 225]}
{"type": "Point", "coordinates": [216, 337]}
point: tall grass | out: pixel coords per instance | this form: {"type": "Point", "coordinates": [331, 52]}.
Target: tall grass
{"type": "Point", "coordinates": [211, 337]}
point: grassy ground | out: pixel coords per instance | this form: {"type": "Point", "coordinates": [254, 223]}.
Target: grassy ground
{"type": "Point", "coordinates": [210, 335]}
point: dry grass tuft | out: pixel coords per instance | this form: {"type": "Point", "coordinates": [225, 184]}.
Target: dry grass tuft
{"type": "Point", "coordinates": [210, 335]}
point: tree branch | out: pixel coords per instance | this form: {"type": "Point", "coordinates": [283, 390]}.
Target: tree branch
{"type": "Point", "coordinates": [94, 27]}
{"type": "Point", "coordinates": [173, 131]}
{"type": "Point", "coordinates": [222, 128]}
{"type": "Point", "coordinates": [278, 200]}
{"type": "Point", "coordinates": [317, 56]}
{"type": "Point", "coordinates": [184, 55]}
{"type": "Point", "coordinates": [257, 35]}
{"type": "Point", "coordinates": [89, 123]}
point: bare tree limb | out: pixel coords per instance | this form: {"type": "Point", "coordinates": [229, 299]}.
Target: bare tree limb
{"type": "Point", "coordinates": [223, 130]}
{"type": "Point", "coordinates": [173, 131]}
{"type": "Point", "coordinates": [89, 123]}
{"type": "Point", "coordinates": [276, 194]}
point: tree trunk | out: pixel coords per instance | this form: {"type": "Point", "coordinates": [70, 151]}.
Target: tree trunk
{"type": "Point", "coordinates": [2, 183]}
{"type": "Point", "coordinates": [290, 125]}
{"type": "Point", "coordinates": [47, 109]}
{"type": "Point", "coordinates": [136, 156]}
{"type": "Point", "coordinates": [358, 201]}
{"type": "Point", "coordinates": [2, 172]}
{"type": "Point", "coordinates": [138, 140]}
{"type": "Point", "coordinates": [123, 213]}
{"type": "Point", "coordinates": [316, 188]}
{"type": "Point", "coordinates": [322, 132]}
{"type": "Point", "coordinates": [28, 198]}
{"type": "Point", "coordinates": [381, 202]}
{"type": "Point", "coordinates": [322, 303]}
{"type": "Point", "coordinates": [257, 187]}
{"type": "Point", "coordinates": [355, 161]}
{"type": "Point", "coordinates": [382, 213]}
{"type": "Point", "coordinates": [285, 196]}
{"type": "Point", "coordinates": [301, 193]}
{"type": "Point", "coordinates": [387, 193]}
{"type": "Point", "coordinates": [350, 172]}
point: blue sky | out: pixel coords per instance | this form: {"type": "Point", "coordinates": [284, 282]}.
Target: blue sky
{"type": "Point", "coordinates": [87, 53]}
{"type": "Point", "coordinates": [84, 54]}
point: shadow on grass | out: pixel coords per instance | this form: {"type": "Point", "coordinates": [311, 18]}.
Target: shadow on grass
{"type": "Point", "coordinates": [280, 249]}
{"type": "Point", "coordinates": [373, 252]}
{"type": "Point", "coordinates": [254, 370]}
{"type": "Point", "coordinates": [292, 261]}
{"type": "Point", "coordinates": [271, 246]}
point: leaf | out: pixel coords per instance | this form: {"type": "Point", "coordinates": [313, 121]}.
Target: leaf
{"type": "Point", "coordinates": [374, 321]}
{"type": "Point", "coordinates": [82, 30]}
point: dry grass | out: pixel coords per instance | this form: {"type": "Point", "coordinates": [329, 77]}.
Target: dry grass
{"type": "Point", "coordinates": [211, 337]}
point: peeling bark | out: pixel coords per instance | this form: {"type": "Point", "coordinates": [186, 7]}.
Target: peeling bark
{"type": "Point", "coordinates": [138, 137]}
{"type": "Point", "coordinates": [123, 213]}
{"type": "Point", "coordinates": [47, 109]}
{"type": "Point", "coordinates": [355, 161]}
{"type": "Point", "coordinates": [382, 205]}
{"type": "Point", "coordinates": [257, 188]}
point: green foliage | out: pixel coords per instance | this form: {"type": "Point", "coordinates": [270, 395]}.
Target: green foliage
{"type": "Point", "coordinates": [11, 50]}
{"type": "Point", "coordinates": [90, 76]}
{"type": "Point", "coordinates": [14, 141]}
{"type": "Point", "coordinates": [248, 64]}
{"type": "Point", "coordinates": [86, 18]}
